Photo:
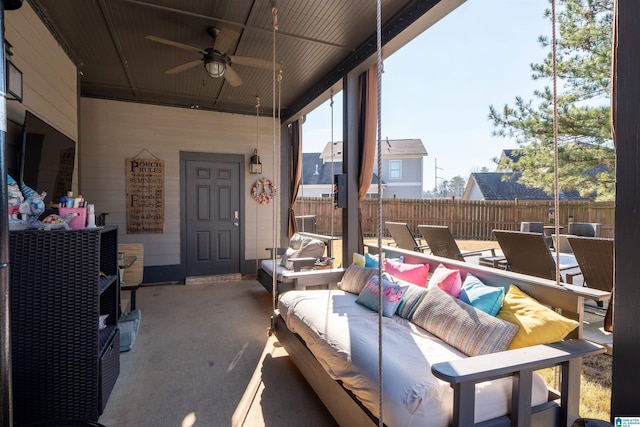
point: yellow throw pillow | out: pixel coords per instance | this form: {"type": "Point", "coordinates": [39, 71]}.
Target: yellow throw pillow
{"type": "Point", "coordinates": [538, 323]}
{"type": "Point", "coordinates": [358, 259]}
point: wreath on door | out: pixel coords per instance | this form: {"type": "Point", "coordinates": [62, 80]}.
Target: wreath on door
{"type": "Point", "coordinates": [263, 191]}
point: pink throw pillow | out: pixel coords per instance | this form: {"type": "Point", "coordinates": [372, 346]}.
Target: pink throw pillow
{"type": "Point", "coordinates": [446, 279]}
{"type": "Point", "coordinates": [412, 273]}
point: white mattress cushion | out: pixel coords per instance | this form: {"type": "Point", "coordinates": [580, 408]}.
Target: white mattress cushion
{"type": "Point", "coordinates": [343, 336]}
{"type": "Point", "coordinates": [267, 265]}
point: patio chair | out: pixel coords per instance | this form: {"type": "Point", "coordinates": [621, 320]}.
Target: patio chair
{"type": "Point", "coordinates": [536, 227]}
{"type": "Point", "coordinates": [595, 258]}
{"type": "Point", "coordinates": [561, 243]}
{"type": "Point", "coordinates": [528, 253]}
{"type": "Point", "coordinates": [586, 229]}
{"type": "Point", "coordinates": [532, 227]}
{"type": "Point", "coordinates": [299, 257]}
{"type": "Point", "coordinates": [442, 244]}
{"type": "Point", "coordinates": [402, 235]}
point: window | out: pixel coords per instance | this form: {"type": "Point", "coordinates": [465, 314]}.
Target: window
{"type": "Point", "coordinates": [395, 169]}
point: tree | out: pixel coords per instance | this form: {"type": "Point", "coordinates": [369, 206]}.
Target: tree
{"type": "Point", "coordinates": [443, 190]}
{"type": "Point", "coordinates": [447, 188]}
{"type": "Point", "coordinates": [457, 186]}
{"type": "Point", "coordinates": [586, 155]}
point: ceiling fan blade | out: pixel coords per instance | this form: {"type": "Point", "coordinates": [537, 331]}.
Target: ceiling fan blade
{"type": "Point", "coordinates": [174, 44]}
{"type": "Point", "coordinates": [184, 66]}
{"type": "Point", "coordinates": [226, 39]}
{"type": "Point", "coordinates": [253, 62]}
{"type": "Point", "coordinates": [232, 77]}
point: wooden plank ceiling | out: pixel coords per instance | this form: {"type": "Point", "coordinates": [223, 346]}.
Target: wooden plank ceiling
{"type": "Point", "coordinates": [317, 43]}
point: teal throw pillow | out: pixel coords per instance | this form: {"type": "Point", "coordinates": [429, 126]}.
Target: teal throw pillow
{"type": "Point", "coordinates": [372, 261]}
{"type": "Point", "coordinates": [483, 297]}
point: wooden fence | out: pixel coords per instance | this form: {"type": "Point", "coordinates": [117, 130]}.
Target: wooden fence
{"type": "Point", "coordinates": [466, 219]}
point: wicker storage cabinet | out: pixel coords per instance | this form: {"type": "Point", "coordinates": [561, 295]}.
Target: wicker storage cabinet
{"type": "Point", "coordinates": [64, 366]}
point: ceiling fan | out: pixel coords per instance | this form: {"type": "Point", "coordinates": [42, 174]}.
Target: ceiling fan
{"type": "Point", "coordinates": [216, 62]}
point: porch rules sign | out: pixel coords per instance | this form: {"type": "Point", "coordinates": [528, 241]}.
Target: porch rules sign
{"type": "Point", "coordinates": [145, 196]}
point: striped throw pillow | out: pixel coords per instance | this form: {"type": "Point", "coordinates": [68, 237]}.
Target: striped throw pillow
{"type": "Point", "coordinates": [355, 278]}
{"type": "Point", "coordinates": [462, 326]}
{"type": "Point", "coordinates": [410, 300]}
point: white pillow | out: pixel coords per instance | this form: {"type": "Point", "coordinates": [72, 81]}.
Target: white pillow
{"type": "Point", "coordinates": [311, 248]}
{"type": "Point", "coordinates": [284, 261]}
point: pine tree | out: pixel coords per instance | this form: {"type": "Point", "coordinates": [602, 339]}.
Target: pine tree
{"type": "Point", "coordinates": [586, 156]}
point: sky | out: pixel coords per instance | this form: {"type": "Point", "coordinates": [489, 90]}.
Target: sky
{"type": "Point", "coordinates": [438, 88]}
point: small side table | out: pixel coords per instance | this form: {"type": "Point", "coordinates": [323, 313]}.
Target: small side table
{"type": "Point", "coordinates": [123, 264]}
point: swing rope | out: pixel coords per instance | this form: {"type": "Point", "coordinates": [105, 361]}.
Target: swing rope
{"type": "Point", "coordinates": [301, 186]}
{"type": "Point", "coordinates": [556, 198]}
{"type": "Point", "coordinates": [332, 169]}
{"type": "Point", "coordinates": [278, 77]}
{"type": "Point", "coordinates": [257, 151]}
{"type": "Point", "coordinates": [379, 151]}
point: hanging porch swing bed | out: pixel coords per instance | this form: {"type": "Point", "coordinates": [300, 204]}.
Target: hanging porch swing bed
{"type": "Point", "coordinates": [444, 362]}
{"type": "Point", "coordinates": [434, 341]}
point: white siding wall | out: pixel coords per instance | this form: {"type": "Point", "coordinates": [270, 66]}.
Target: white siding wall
{"type": "Point", "coordinates": [475, 193]}
{"type": "Point", "coordinates": [50, 83]}
{"type": "Point", "coordinates": [114, 131]}
{"type": "Point", "coordinates": [313, 190]}
{"type": "Point", "coordinates": [410, 185]}
{"type": "Point", "coordinates": [403, 190]}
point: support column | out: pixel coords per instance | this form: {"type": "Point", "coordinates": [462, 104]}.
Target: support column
{"type": "Point", "coordinates": [6, 399]}
{"type": "Point", "coordinates": [626, 336]}
{"type": "Point", "coordinates": [6, 395]}
{"type": "Point", "coordinates": [350, 166]}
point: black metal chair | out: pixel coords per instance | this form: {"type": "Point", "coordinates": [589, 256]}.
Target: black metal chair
{"type": "Point", "coordinates": [587, 229]}
{"type": "Point", "coordinates": [532, 227]}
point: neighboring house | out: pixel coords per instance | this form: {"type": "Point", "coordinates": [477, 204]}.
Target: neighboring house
{"type": "Point", "coordinates": [402, 172]}
{"type": "Point", "coordinates": [317, 176]}
{"type": "Point", "coordinates": [494, 186]}
{"type": "Point", "coordinates": [503, 184]}
{"type": "Point", "coordinates": [511, 154]}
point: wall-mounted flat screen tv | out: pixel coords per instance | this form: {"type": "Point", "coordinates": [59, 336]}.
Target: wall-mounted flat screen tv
{"type": "Point", "coordinates": [47, 159]}
{"type": "Point", "coordinates": [13, 147]}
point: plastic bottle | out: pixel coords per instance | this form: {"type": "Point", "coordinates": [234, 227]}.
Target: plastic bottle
{"type": "Point", "coordinates": [91, 216]}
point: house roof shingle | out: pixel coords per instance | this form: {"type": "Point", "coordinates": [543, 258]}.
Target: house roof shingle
{"type": "Point", "coordinates": [493, 187]}
{"type": "Point", "coordinates": [393, 147]}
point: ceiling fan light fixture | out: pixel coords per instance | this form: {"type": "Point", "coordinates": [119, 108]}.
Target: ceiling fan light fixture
{"type": "Point", "coordinates": [214, 68]}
